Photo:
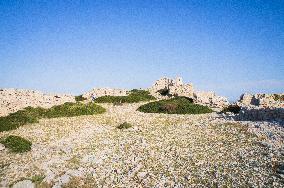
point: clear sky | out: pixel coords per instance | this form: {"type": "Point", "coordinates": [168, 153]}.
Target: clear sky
{"type": "Point", "coordinates": [68, 46]}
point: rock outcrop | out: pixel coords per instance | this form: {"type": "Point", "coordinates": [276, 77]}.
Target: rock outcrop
{"type": "Point", "coordinates": [165, 88]}
{"type": "Point", "coordinates": [12, 100]}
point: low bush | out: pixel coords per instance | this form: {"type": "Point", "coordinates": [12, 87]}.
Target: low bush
{"type": "Point", "coordinates": [16, 144]}
{"type": "Point", "coordinates": [278, 97]}
{"type": "Point", "coordinates": [177, 105]}
{"type": "Point", "coordinates": [73, 109]}
{"type": "Point", "coordinates": [32, 115]}
{"type": "Point", "coordinates": [232, 108]}
{"type": "Point", "coordinates": [124, 125]}
{"type": "Point", "coordinates": [134, 96]}
{"type": "Point", "coordinates": [80, 98]}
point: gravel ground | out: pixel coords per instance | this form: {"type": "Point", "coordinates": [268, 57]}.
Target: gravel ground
{"type": "Point", "coordinates": [160, 150]}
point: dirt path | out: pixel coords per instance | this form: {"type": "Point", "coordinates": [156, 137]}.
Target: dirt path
{"type": "Point", "coordinates": [158, 151]}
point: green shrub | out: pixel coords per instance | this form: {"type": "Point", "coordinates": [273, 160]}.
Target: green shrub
{"type": "Point", "coordinates": [134, 96]}
{"type": "Point", "coordinates": [278, 97]}
{"type": "Point", "coordinates": [124, 125]}
{"type": "Point", "coordinates": [16, 144]}
{"type": "Point", "coordinates": [19, 118]}
{"type": "Point", "coordinates": [80, 98]}
{"type": "Point", "coordinates": [37, 179]}
{"type": "Point", "coordinates": [177, 105]}
{"type": "Point", "coordinates": [72, 109]}
{"type": "Point", "coordinates": [117, 104]}
{"type": "Point", "coordinates": [32, 115]}
{"type": "Point", "coordinates": [232, 108]}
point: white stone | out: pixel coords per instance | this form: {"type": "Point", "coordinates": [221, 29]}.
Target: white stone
{"type": "Point", "coordinates": [2, 147]}
{"type": "Point", "coordinates": [64, 179]}
{"type": "Point", "coordinates": [141, 175]}
{"type": "Point", "coordinates": [98, 92]}
{"type": "Point", "coordinates": [24, 184]}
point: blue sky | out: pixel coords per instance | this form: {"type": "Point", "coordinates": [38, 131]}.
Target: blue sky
{"type": "Point", "coordinates": [226, 46]}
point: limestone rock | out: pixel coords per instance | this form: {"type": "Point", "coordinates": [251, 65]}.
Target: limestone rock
{"type": "Point", "coordinates": [24, 184]}
{"type": "Point", "coordinates": [2, 147]}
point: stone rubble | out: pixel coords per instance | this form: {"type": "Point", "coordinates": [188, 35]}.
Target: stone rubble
{"type": "Point", "coordinates": [261, 107]}
{"type": "Point", "coordinates": [160, 150]}
{"type": "Point", "coordinates": [2, 147]}
{"type": "Point", "coordinates": [166, 87]}
{"type": "Point", "coordinates": [261, 100]}
{"type": "Point", "coordinates": [24, 184]}
{"type": "Point", "coordinates": [98, 92]}
{"type": "Point", "coordinates": [12, 100]}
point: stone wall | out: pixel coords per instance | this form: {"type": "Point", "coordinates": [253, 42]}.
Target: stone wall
{"type": "Point", "coordinates": [210, 99]}
{"type": "Point", "coordinates": [261, 107]}
{"type": "Point", "coordinates": [261, 114]}
{"type": "Point", "coordinates": [165, 88]}
{"type": "Point", "coordinates": [98, 92]}
{"type": "Point", "coordinates": [264, 100]}
{"type": "Point", "coordinates": [12, 100]}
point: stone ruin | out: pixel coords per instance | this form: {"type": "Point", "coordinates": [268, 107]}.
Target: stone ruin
{"type": "Point", "coordinates": [262, 100]}
{"type": "Point", "coordinates": [166, 88]}
{"type": "Point", "coordinates": [261, 107]}
{"type": "Point", "coordinates": [210, 99]}
{"type": "Point", "coordinates": [12, 100]}
{"type": "Point", "coordinates": [98, 92]}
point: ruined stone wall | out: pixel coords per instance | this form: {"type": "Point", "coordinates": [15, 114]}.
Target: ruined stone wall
{"type": "Point", "coordinates": [98, 92]}
{"type": "Point", "coordinates": [264, 100]}
{"type": "Point", "coordinates": [210, 99]}
{"type": "Point", "coordinates": [12, 100]}
{"type": "Point", "coordinates": [261, 114]}
{"type": "Point", "coordinates": [178, 88]}
{"type": "Point", "coordinates": [166, 87]}
{"type": "Point", "coordinates": [261, 107]}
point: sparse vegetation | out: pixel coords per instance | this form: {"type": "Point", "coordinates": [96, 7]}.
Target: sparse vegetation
{"type": "Point", "coordinates": [278, 97]}
{"type": "Point", "coordinates": [16, 144]}
{"type": "Point", "coordinates": [232, 108]}
{"type": "Point", "coordinates": [177, 105]}
{"type": "Point", "coordinates": [37, 179]}
{"type": "Point", "coordinates": [80, 98]}
{"type": "Point", "coordinates": [32, 115]}
{"type": "Point", "coordinates": [124, 125]}
{"type": "Point", "coordinates": [134, 96]}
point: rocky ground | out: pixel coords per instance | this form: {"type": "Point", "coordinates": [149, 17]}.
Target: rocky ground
{"type": "Point", "coordinates": [160, 150]}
